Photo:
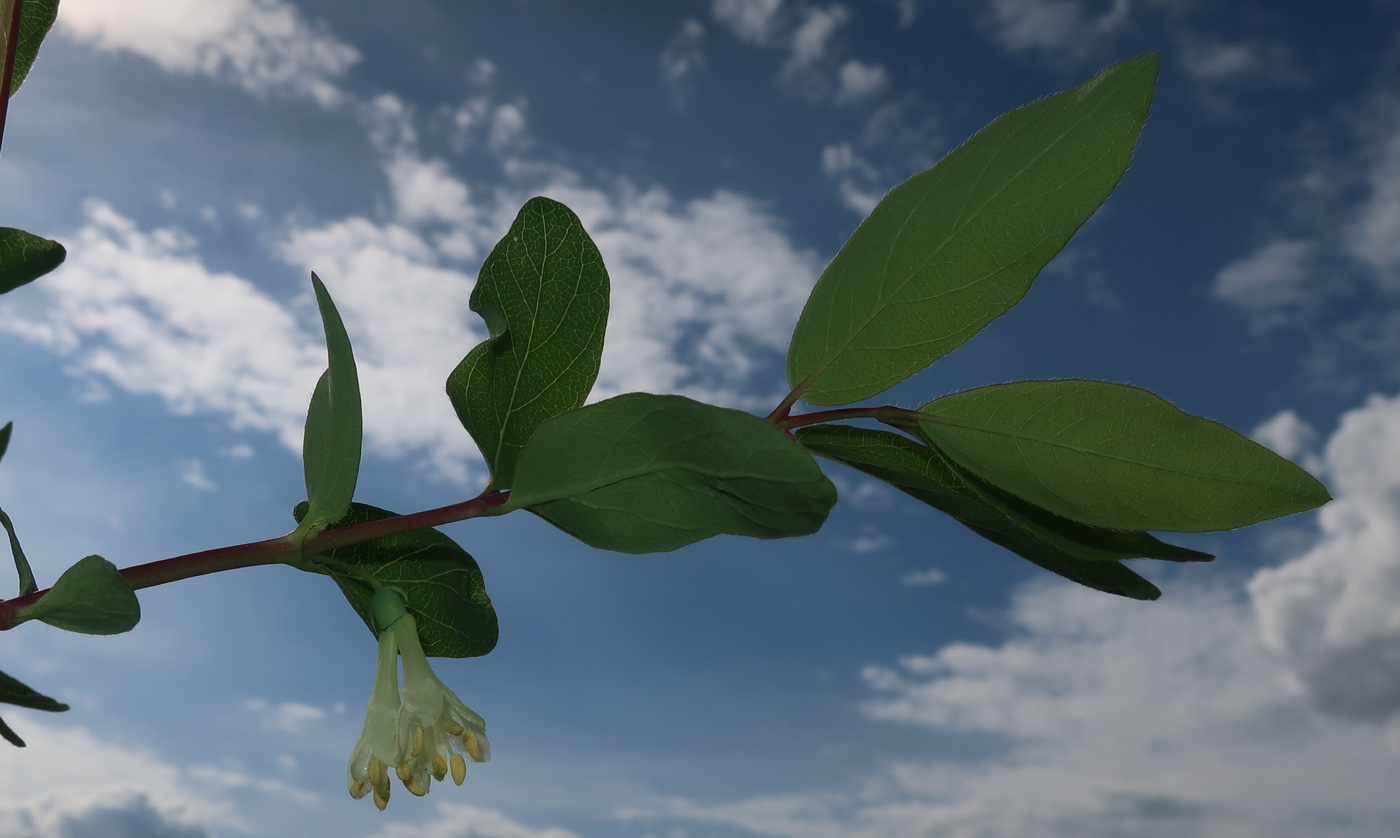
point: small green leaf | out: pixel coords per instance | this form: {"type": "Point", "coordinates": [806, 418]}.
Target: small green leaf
{"type": "Point", "coordinates": [334, 426]}
{"type": "Point", "coordinates": [954, 247]}
{"type": "Point", "coordinates": [440, 581]}
{"type": "Point", "coordinates": [91, 597]}
{"type": "Point", "coordinates": [5, 438]}
{"type": "Point", "coordinates": [1116, 456]}
{"type": "Point", "coordinates": [24, 257]}
{"type": "Point", "coordinates": [14, 692]}
{"type": "Point", "coordinates": [641, 473]}
{"type": "Point", "coordinates": [1083, 554]}
{"type": "Point", "coordinates": [543, 293]}
{"type": "Point", "coordinates": [27, 585]}
{"type": "Point", "coordinates": [36, 18]}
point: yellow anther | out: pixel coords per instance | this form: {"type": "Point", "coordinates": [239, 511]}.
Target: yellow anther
{"type": "Point", "coordinates": [381, 802]}
{"type": "Point", "coordinates": [439, 767]}
{"type": "Point", "coordinates": [473, 745]}
{"type": "Point", "coordinates": [376, 772]}
{"type": "Point", "coordinates": [452, 728]}
{"type": "Point", "coordinates": [418, 740]}
{"type": "Point", "coordinates": [459, 769]}
{"type": "Point", "coordinates": [405, 773]}
{"type": "Point", "coordinates": [358, 789]}
{"type": "Point", "coordinates": [412, 785]}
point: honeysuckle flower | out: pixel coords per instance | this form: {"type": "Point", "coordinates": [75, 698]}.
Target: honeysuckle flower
{"type": "Point", "coordinates": [424, 735]}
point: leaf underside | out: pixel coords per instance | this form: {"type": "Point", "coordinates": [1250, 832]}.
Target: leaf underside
{"type": "Point", "coordinates": [954, 247]}
{"type": "Point", "coordinates": [440, 581]}
{"type": "Point", "coordinates": [642, 473]}
{"type": "Point", "coordinates": [1111, 455]}
{"type": "Point", "coordinates": [1088, 555]}
{"type": "Point", "coordinates": [334, 425]}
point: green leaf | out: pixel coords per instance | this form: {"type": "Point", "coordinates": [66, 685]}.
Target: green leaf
{"type": "Point", "coordinates": [5, 438]}
{"type": "Point", "coordinates": [27, 585]}
{"type": "Point", "coordinates": [952, 248]}
{"type": "Point", "coordinates": [91, 597]}
{"type": "Point", "coordinates": [440, 581]}
{"type": "Point", "coordinates": [36, 18]}
{"type": "Point", "coordinates": [1087, 555]}
{"type": "Point", "coordinates": [543, 293]}
{"type": "Point", "coordinates": [334, 426]}
{"type": "Point", "coordinates": [642, 473]}
{"type": "Point", "coordinates": [14, 692]}
{"type": "Point", "coordinates": [1111, 455]}
{"type": "Point", "coordinates": [24, 257]}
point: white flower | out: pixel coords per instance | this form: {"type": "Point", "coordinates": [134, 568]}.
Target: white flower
{"type": "Point", "coordinates": [425, 736]}
{"type": "Point", "coordinates": [377, 748]}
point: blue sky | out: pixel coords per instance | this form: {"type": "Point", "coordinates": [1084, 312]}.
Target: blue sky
{"type": "Point", "coordinates": [892, 675]}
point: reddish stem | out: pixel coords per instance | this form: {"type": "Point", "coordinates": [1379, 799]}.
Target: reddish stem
{"type": "Point", "coordinates": [11, 42]}
{"type": "Point", "coordinates": [278, 550]}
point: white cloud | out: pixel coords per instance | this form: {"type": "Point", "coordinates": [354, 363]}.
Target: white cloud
{"type": "Point", "coordinates": [1202, 715]}
{"type": "Point", "coordinates": [192, 474]}
{"type": "Point", "coordinates": [288, 716]}
{"type": "Point", "coordinates": [920, 578]}
{"type": "Point", "coordinates": [750, 20]}
{"type": "Point", "coordinates": [141, 311]}
{"type": "Point", "coordinates": [857, 82]}
{"type": "Point", "coordinates": [1053, 26]}
{"type": "Point", "coordinates": [908, 12]}
{"type": "Point", "coordinates": [870, 540]}
{"type": "Point", "coordinates": [1286, 434]}
{"type": "Point", "coordinates": [67, 778]}
{"type": "Point", "coordinates": [263, 46]}
{"type": "Point", "coordinates": [1214, 60]}
{"type": "Point", "coordinates": [853, 175]}
{"type": "Point", "coordinates": [811, 37]}
{"type": "Point", "coordinates": [1270, 281]}
{"type": "Point", "coordinates": [1334, 612]}
{"type": "Point", "coordinates": [457, 820]}
{"type": "Point", "coordinates": [680, 59]}
{"type": "Point", "coordinates": [1373, 236]}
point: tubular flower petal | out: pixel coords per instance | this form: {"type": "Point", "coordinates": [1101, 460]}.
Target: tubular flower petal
{"type": "Point", "coordinates": [420, 737]}
{"type": "Point", "coordinates": [378, 747]}
{"type": "Point", "coordinates": [434, 727]}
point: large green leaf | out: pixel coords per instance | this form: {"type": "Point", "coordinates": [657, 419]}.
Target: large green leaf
{"type": "Point", "coordinates": [334, 425]}
{"type": "Point", "coordinates": [91, 597]}
{"type": "Point", "coordinates": [439, 580]}
{"type": "Point", "coordinates": [24, 257]}
{"type": "Point", "coordinates": [543, 293]}
{"type": "Point", "coordinates": [952, 248]}
{"type": "Point", "coordinates": [1116, 456]}
{"type": "Point", "coordinates": [1083, 554]}
{"type": "Point", "coordinates": [20, 695]}
{"type": "Point", "coordinates": [641, 473]}
{"type": "Point", "coordinates": [36, 18]}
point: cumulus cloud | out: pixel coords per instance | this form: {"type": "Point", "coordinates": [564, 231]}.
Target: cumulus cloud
{"type": "Point", "coordinates": [70, 783]}
{"type": "Point", "coordinates": [140, 310]}
{"type": "Point", "coordinates": [1190, 717]}
{"type": "Point", "coordinates": [1334, 612]}
{"type": "Point", "coordinates": [457, 820]}
{"type": "Point", "coordinates": [900, 139]}
{"type": "Point", "coordinates": [263, 46]}
{"type": "Point", "coordinates": [749, 20]}
{"type": "Point", "coordinates": [1287, 435]}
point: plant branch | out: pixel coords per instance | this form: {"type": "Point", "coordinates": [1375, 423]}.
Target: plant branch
{"type": "Point", "coordinates": [888, 413]}
{"type": "Point", "coordinates": [281, 550]}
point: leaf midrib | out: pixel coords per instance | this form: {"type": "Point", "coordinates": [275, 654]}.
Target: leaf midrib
{"type": "Point", "coordinates": [875, 312]}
